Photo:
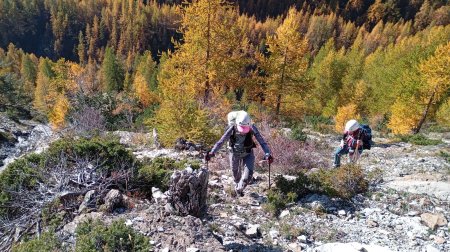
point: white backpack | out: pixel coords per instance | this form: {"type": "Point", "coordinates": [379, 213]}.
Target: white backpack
{"type": "Point", "coordinates": [232, 117]}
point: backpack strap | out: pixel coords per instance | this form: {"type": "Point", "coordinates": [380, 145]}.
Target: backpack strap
{"type": "Point", "coordinates": [233, 137]}
{"type": "Point", "coordinates": [248, 143]}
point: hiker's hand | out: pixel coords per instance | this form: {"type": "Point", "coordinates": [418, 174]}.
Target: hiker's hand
{"type": "Point", "coordinates": [269, 158]}
{"type": "Point", "coordinates": [209, 155]}
{"type": "Point", "coordinates": [359, 143]}
{"type": "Point", "coordinates": [341, 144]}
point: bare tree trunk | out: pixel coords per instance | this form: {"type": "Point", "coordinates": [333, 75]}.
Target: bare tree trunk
{"type": "Point", "coordinates": [156, 143]}
{"type": "Point", "coordinates": [188, 192]}
{"type": "Point", "coordinates": [281, 82]}
{"type": "Point", "coordinates": [425, 112]}
{"type": "Point", "coordinates": [208, 48]}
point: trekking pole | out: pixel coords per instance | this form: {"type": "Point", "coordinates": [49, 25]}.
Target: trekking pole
{"type": "Point", "coordinates": [269, 174]}
{"type": "Point", "coordinates": [356, 155]}
{"type": "Point", "coordinates": [206, 161]}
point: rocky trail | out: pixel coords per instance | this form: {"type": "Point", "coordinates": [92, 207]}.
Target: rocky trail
{"type": "Point", "coordinates": [407, 207]}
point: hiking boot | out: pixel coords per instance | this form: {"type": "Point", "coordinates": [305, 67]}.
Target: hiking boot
{"type": "Point", "coordinates": [239, 192]}
{"type": "Point", "coordinates": [239, 189]}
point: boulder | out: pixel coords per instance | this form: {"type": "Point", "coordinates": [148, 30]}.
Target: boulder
{"type": "Point", "coordinates": [88, 198]}
{"type": "Point", "coordinates": [433, 220]}
{"type": "Point", "coordinates": [113, 200]}
{"type": "Point", "coordinates": [253, 231]}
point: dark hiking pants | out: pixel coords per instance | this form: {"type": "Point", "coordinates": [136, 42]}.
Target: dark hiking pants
{"type": "Point", "coordinates": [242, 177]}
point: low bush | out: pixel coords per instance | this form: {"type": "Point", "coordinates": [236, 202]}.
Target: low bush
{"type": "Point", "coordinates": [419, 139]}
{"type": "Point", "coordinates": [344, 182]}
{"type": "Point", "coordinates": [319, 123]}
{"type": "Point", "coordinates": [445, 155]}
{"type": "Point", "coordinates": [298, 186]}
{"type": "Point", "coordinates": [276, 201]}
{"type": "Point", "coordinates": [290, 155]}
{"type": "Point", "coordinates": [157, 172]}
{"type": "Point", "coordinates": [33, 187]}
{"type": "Point", "coordinates": [298, 134]}
{"type": "Point", "coordinates": [6, 137]}
{"type": "Point", "coordinates": [22, 174]}
{"type": "Point", "coordinates": [47, 242]}
{"type": "Point", "coordinates": [348, 180]}
{"type": "Point", "coordinates": [96, 236]}
{"type": "Point", "coordinates": [107, 153]}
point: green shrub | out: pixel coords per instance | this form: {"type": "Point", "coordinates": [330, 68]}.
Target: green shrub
{"type": "Point", "coordinates": [47, 242]}
{"type": "Point", "coordinates": [157, 172]}
{"type": "Point", "coordinates": [277, 201]}
{"type": "Point", "coordinates": [23, 173]}
{"type": "Point", "coordinates": [6, 137]}
{"type": "Point", "coordinates": [51, 216]}
{"type": "Point", "coordinates": [96, 236]}
{"type": "Point", "coordinates": [344, 182]}
{"type": "Point", "coordinates": [290, 232]}
{"type": "Point", "coordinates": [299, 186]}
{"type": "Point", "coordinates": [322, 182]}
{"type": "Point", "coordinates": [445, 155]}
{"type": "Point", "coordinates": [298, 134]}
{"type": "Point", "coordinates": [319, 123]}
{"type": "Point", "coordinates": [349, 180]}
{"type": "Point", "coordinates": [419, 139]}
{"type": "Point", "coordinates": [108, 151]}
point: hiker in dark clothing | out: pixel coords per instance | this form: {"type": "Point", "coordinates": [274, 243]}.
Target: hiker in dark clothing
{"type": "Point", "coordinates": [239, 135]}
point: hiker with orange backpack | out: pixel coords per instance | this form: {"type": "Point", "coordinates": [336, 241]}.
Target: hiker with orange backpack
{"type": "Point", "coordinates": [239, 135]}
{"type": "Point", "coordinates": [355, 139]}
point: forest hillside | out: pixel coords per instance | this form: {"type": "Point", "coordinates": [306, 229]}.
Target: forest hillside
{"type": "Point", "coordinates": [103, 103]}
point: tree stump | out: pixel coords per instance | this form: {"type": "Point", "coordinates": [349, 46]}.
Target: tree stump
{"type": "Point", "coordinates": [188, 192]}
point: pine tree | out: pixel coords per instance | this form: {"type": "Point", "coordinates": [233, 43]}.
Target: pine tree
{"type": "Point", "coordinates": [328, 72]}
{"type": "Point", "coordinates": [45, 73]}
{"type": "Point", "coordinates": [93, 38]}
{"type": "Point", "coordinates": [58, 113]}
{"type": "Point", "coordinates": [28, 73]}
{"type": "Point", "coordinates": [443, 113]}
{"type": "Point", "coordinates": [60, 22]}
{"type": "Point", "coordinates": [81, 49]}
{"type": "Point", "coordinates": [112, 73]}
{"type": "Point", "coordinates": [213, 48]}
{"type": "Point", "coordinates": [179, 114]}
{"type": "Point", "coordinates": [286, 64]}
{"type": "Point", "coordinates": [142, 81]}
{"type": "Point", "coordinates": [436, 72]}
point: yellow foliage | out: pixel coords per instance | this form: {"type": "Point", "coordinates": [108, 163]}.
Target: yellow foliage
{"type": "Point", "coordinates": [142, 91]}
{"type": "Point", "coordinates": [75, 76]}
{"type": "Point", "coordinates": [183, 119]}
{"type": "Point", "coordinates": [436, 72]}
{"type": "Point", "coordinates": [287, 63]}
{"type": "Point", "coordinates": [58, 113]}
{"type": "Point", "coordinates": [405, 116]}
{"type": "Point", "coordinates": [344, 114]}
{"type": "Point", "coordinates": [42, 86]}
{"type": "Point", "coordinates": [443, 114]}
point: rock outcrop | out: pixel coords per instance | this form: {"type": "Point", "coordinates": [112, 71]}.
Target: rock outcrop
{"type": "Point", "coordinates": [188, 192]}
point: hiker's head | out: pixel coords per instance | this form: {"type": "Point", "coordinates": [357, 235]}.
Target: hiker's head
{"type": "Point", "coordinates": [243, 122]}
{"type": "Point", "coordinates": [351, 125]}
